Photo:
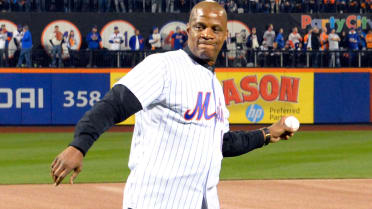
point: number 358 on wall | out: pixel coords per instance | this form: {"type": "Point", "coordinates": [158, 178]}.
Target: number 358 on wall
{"type": "Point", "coordinates": [81, 98]}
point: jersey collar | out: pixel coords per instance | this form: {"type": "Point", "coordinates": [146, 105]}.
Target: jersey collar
{"type": "Point", "coordinates": [198, 60]}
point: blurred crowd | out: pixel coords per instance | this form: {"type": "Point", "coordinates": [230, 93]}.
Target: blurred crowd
{"type": "Point", "coordinates": [177, 6]}
{"type": "Point", "coordinates": [315, 47]}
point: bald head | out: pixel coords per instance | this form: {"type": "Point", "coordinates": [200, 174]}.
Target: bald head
{"type": "Point", "coordinates": [208, 8]}
{"type": "Point", "coordinates": [207, 30]}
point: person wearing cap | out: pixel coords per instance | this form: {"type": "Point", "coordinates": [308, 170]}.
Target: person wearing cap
{"type": "Point", "coordinates": [136, 43]}
{"type": "Point", "coordinates": [155, 39]}
{"type": "Point", "coordinates": [8, 37]}
{"type": "Point", "coordinates": [55, 41]}
{"type": "Point", "coordinates": [93, 40]}
{"type": "Point", "coordinates": [116, 39]}
{"type": "Point", "coordinates": [179, 39]}
{"type": "Point", "coordinates": [17, 37]}
{"type": "Point", "coordinates": [26, 48]}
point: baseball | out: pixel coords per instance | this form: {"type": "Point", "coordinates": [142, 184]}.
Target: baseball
{"type": "Point", "coordinates": [292, 122]}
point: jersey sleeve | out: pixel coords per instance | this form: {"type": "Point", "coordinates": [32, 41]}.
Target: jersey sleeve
{"type": "Point", "coordinates": [147, 80]}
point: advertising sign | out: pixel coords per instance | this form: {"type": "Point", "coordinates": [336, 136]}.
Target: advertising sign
{"type": "Point", "coordinates": [260, 97]}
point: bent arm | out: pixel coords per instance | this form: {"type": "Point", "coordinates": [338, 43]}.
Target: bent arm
{"type": "Point", "coordinates": [117, 105]}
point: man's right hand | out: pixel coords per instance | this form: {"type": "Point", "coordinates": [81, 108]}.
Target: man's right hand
{"type": "Point", "coordinates": [68, 160]}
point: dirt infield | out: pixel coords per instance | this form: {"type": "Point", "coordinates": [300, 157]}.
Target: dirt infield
{"type": "Point", "coordinates": [129, 128]}
{"type": "Point", "coordinates": [250, 194]}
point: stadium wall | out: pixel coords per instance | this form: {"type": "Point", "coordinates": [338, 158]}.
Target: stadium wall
{"type": "Point", "coordinates": [253, 95]}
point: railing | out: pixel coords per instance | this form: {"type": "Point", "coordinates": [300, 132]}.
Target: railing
{"type": "Point", "coordinates": [228, 58]}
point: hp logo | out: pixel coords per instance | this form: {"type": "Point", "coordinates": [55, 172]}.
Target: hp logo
{"type": "Point", "coordinates": [254, 113]}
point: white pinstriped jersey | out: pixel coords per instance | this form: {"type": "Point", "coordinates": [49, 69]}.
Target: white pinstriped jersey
{"type": "Point", "coordinates": [176, 155]}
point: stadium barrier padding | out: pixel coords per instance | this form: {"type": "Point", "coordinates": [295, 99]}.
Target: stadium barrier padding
{"type": "Point", "coordinates": [61, 96]}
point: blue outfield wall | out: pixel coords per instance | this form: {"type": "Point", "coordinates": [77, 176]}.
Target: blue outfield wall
{"type": "Point", "coordinates": [342, 98]}
{"type": "Point", "coordinates": [49, 99]}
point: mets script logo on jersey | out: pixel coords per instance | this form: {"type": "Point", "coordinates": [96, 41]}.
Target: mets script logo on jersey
{"type": "Point", "coordinates": [201, 109]}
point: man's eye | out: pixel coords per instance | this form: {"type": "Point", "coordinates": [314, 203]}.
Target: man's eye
{"type": "Point", "coordinates": [198, 27]}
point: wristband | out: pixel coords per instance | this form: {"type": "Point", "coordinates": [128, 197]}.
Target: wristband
{"type": "Point", "coordinates": [267, 135]}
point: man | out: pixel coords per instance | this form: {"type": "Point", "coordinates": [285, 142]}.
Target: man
{"type": "Point", "coordinates": [136, 44]}
{"type": "Point", "coordinates": [55, 41]}
{"type": "Point", "coordinates": [280, 39]}
{"type": "Point", "coordinates": [155, 39]}
{"type": "Point", "coordinates": [179, 39]}
{"type": "Point", "coordinates": [116, 39]}
{"type": "Point", "coordinates": [3, 39]}
{"type": "Point", "coordinates": [9, 36]}
{"type": "Point", "coordinates": [26, 43]}
{"type": "Point", "coordinates": [333, 40]}
{"type": "Point", "coordinates": [93, 39]}
{"type": "Point", "coordinates": [176, 148]}
{"type": "Point", "coordinates": [354, 42]}
{"type": "Point", "coordinates": [17, 39]}
{"type": "Point", "coordinates": [369, 46]}
{"type": "Point", "coordinates": [315, 44]}
{"type": "Point", "coordinates": [269, 36]}
{"type": "Point", "coordinates": [294, 37]}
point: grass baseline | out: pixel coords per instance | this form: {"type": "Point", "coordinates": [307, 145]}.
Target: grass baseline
{"type": "Point", "coordinates": [25, 158]}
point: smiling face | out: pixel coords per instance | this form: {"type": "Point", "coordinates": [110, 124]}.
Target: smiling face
{"type": "Point", "coordinates": [207, 30]}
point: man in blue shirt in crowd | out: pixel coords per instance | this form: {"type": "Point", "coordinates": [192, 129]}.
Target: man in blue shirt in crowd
{"type": "Point", "coordinates": [26, 47]}
{"type": "Point", "coordinates": [280, 39]}
{"type": "Point", "coordinates": [136, 43]}
{"type": "Point", "coordinates": [179, 39]}
{"type": "Point", "coordinates": [93, 39]}
{"type": "Point", "coordinates": [354, 41]}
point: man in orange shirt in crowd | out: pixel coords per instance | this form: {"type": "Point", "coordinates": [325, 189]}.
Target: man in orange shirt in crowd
{"type": "Point", "coordinates": [369, 46]}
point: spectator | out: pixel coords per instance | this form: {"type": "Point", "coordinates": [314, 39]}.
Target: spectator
{"type": "Point", "coordinates": [294, 38]}
{"type": "Point", "coordinates": [334, 40]}
{"type": "Point", "coordinates": [119, 5]}
{"type": "Point", "coordinates": [253, 43]}
{"type": "Point", "coordinates": [241, 48]}
{"type": "Point", "coordinates": [93, 39]}
{"type": "Point", "coordinates": [136, 43]}
{"type": "Point", "coordinates": [269, 36]}
{"type": "Point", "coordinates": [26, 47]}
{"type": "Point", "coordinates": [55, 41]}
{"type": "Point", "coordinates": [232, 7]}
{"type": "Point", "coordinates": [253, 6]}
{"type": "Point", "coordinates": [344, 45]}
{"type": "Point", "coordinates": [72, 46]}
{"type": "Point", "coordinates": [354, 41]}
{"type": "Point", "coordinates": [341, 6]}
{"type": "Point", "coordinates": [243, 6]}
{"type": "Point", "coordinates": [315, 44]}
{"type": "Point", "coordinates": [362, 38]}
{"type": "Point", "coordinates": [353, 6]}
{"type": "Point", "coordinates": [179, 39]}
{"type": "Point", "coordinates": [313, 6]}
{"type": "Point", "coordinates": [41, 5]}
{"type": "Point", "coordinates": [17, 38]}
{"type": "Point", "coordinates": [156, 6]}
{"type": "Point", "coordinates": [155, 39]}
{"type": "Point", "coordinates": [9, 36]}
{"type": "Point", "coordinates": [116, 39]}
{"type": "Point", "coordinates": [369, 46]}
{"type": "Point", "coordinates": [169, 6]}
{"type": "Point", "coordinates": [3, 39]}
{"type": "Point", "coordinates": [307, 40]}
{"type": "Point", "coordinates": [279, 40]}
{"type": "Point", "coordinates": [4, 6]}
{"type": "Point", "coordinates": [324, 39]}
{"type": "Point", "coordinates": [287, 7]}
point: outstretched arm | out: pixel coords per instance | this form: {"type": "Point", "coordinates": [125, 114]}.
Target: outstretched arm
{"type": "Point", "coordinates": [236, 143]}
{"type": "Point", "coordinates": [117, 105]}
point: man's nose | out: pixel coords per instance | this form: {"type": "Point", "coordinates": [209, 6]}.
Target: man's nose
{"type": "Point", "coordinates": [207, 33]}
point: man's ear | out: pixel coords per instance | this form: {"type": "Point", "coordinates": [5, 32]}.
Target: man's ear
{"type": "Point", "coordinates": [188, 28]}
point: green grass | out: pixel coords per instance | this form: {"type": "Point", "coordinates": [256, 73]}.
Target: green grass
{"type": "Point", "coordinates": [26, 157]}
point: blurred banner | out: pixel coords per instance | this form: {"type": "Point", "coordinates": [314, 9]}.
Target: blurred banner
{"type": "Point", "coordinates": [257, 97]}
